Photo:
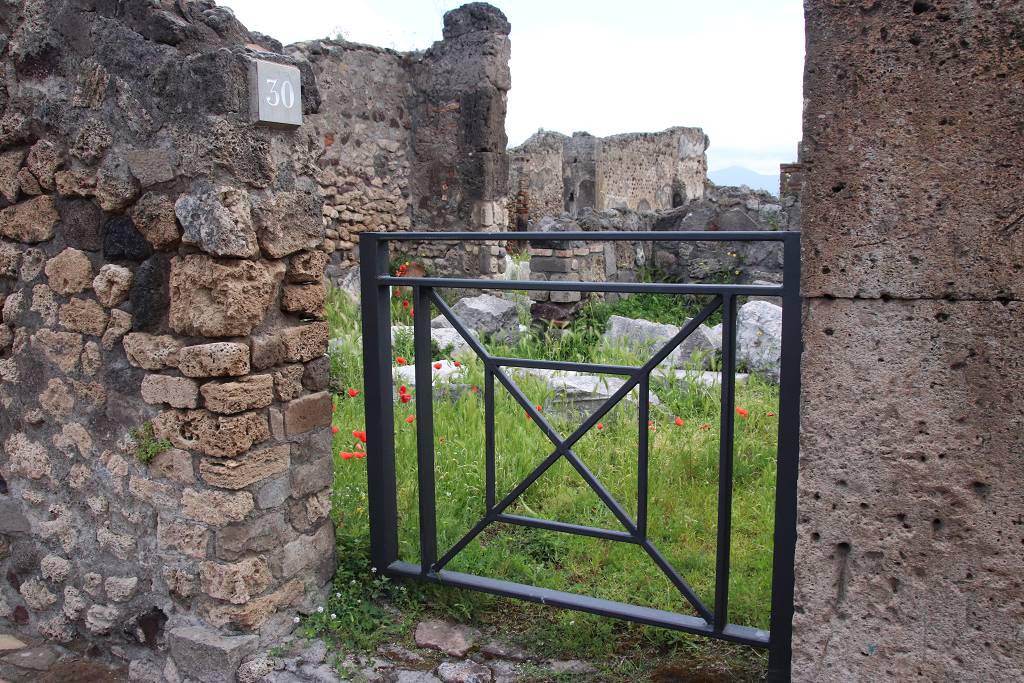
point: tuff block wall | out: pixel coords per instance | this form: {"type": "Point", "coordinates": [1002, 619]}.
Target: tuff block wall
{"type": "Point", "coordinates": [416, 141]}
{"type": "Point", "coordinates": [161, 264]}
{"type": "Point", "coordinates": [911, 522]}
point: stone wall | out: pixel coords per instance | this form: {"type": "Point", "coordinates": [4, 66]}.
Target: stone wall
{"type": "Point", "coordinates": [911, 519]}
{"type": "Point", "coordinates": [553, 174]}
{"type": "Point", "coordinates": [161, 264]}
{"type": "Point", "coordinates": [416, 141]}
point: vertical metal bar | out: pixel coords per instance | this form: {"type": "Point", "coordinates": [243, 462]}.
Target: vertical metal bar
{"type": "Point", "coordinates": [642, 456]}
{"type": "Point", "coordinates": [425, 429]}
{"type": "Point", "coordinates": [780, 647]}
{"type": "Point", "coordinates": [725, 453]}
{"type": "Point", "coordinates": [489, 435]}
{"type": "Point", "coordinates": [378, 403]}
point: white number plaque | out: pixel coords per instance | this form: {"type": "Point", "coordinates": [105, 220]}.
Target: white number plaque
{"type": "Point", "coordinates": [275, 93]}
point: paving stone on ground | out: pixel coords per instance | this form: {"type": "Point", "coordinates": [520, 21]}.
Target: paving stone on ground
{"type": "Point", "coordinates": [452, 639]}
{"type": "Point", "coordinates": [9, 643]}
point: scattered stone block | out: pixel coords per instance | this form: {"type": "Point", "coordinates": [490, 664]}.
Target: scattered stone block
{"type": "Point", "coordinates": [646, 336]}
{"type": "Point", "coordinates": [759, 338]}
{"type": "Point", "coordinates": [452, 639]}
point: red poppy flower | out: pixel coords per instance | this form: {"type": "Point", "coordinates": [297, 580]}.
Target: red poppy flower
{"type": "Point", "coordinates": [704, 427]}
{"type": "Point", "coordinates": [405, 303]}
{"type": "Point", "coordinates": [770, 414]}
{"type": "Point", "coordinates": [401, 360]}
{"type": "Point", "coordinates": [457, 364]}
{"type": "Point", "coordinates": [352, 393]}
{"type": "Point", "coordinates": [437, 366]}
{"type": "Point", "coordinates": [334, 429]}
{"type": "Point", "coordinates": [679, 421]}
{"type": "Point", "coordinates": [410, 419]}
{"type": "Point", "coordinates": [402, 389]}
{"type": "Point", "coordinates": [359, 456]}
{"type": "Point", "coordinates": [600, 425]}
{"type": "Point", "coordinates": [743, 412]}
{"type": "Point", "coordinates": [359, 435]}
{"type": "Point", "coordinates": [474, 388]}
{"type": "Point", "coordinates": [412, 311]}
{"type": "Point", "coordinates": [405, 398]}
{"type": "Point", "coordinates": [345, 455]}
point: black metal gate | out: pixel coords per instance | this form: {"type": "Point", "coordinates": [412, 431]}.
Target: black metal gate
{"type": "Point", "coordinates": [713, 621]}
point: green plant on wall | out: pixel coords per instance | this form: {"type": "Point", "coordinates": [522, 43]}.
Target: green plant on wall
{"type": "Point", "coordinates": [147, 445]}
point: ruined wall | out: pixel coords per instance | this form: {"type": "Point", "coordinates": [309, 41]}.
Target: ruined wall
{"type": "Point", "coordinates": [651, 171]}
{"type": "Point", "coordinates": [159, 262]}
{"type": "Point", "coordinates": [535, 178]}
{"type": "Point", "coordinates": [416, 141]}
{"type": "Point", "coordinates": [551, 173]}
{"type": "Point", "coordinates": [911, 519]}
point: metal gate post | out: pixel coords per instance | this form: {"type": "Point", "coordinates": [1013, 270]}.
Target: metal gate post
{"type": "Point", "coordinates": [784, 551]}
{"type": "Point", "coordinates": [379, 407]}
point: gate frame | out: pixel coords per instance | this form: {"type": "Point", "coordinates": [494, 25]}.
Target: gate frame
{"type": "Point", "coordinates": [381, 473]}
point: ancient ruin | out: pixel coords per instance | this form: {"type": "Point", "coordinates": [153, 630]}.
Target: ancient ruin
{"type": "Point", "coordinates": [165, 445]}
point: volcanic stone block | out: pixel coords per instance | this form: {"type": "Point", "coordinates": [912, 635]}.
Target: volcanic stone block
{"type": "Point", "coordinates": [69, 272]}
{"type": "Point", "coordinates": [177, 392]}
{"type": "Point", "coordinates": [219, 222]}
{"type": "Point", "coordinates": [153, 215]}
{"type": "Point", "coordinates": [913, 213]}
{"type": "Point", "coordinates": [249, 393]}
{"type": "Point", "coordinates": [217, 435]}
{"type": "Point", "coordinates": [80, 223]}
{"type": "Point", "coordinates": [216, 508]}
{"type": "Point", "coordinates": [121, 240]}
{"type": "Point", "coordinates": [152, 352]}
{"type": "Point", "coordinates": [909, 511]}
{"type": "Point", "coordinates": [308, 413]}
{"type": "Point", "coordinates": [218, 359]}
{"type": "Point", "coordinates": [208, 656]}
{"type": "Point", "coordinates": [237, 473]}
{"type": "Point", "coordinates": [219, 298]}
{"type": "Point", "coordinates": [30, 221]}
{"type": "Point", "coordinates": [288, 222]}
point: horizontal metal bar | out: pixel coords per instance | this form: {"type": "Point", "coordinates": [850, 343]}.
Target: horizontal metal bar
{"type": "Point", "coordinates": [566, 528]}
{"type": "Point", "coordinates": [596, 236]}
{"type": "Point", "coordinates": [582, 603]}
{"type": "Point", "coordinates": [563, 365]}
{"type": "Point", "coordinates": [580, 286]}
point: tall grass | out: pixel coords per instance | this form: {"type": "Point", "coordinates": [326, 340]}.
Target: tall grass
{"type": "Point", "coordinates": [682, 496]}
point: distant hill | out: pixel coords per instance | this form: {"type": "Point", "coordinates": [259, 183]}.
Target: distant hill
{"type": "Point", "coordinates": [737, 175]}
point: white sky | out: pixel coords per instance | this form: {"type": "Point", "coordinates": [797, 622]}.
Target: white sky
{"type": "Point", "coordinates": [733, 68]}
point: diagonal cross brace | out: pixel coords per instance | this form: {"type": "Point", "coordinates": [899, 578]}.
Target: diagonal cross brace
{"type": "Point", "coordinates": [563, 446]}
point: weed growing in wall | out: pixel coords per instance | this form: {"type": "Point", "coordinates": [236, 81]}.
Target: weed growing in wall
{"type": "Point", "coordinates": [147, 446]}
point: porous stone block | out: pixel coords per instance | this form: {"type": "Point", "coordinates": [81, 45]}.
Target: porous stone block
{"type": "Point", "coordinates": [179, 537]}
{"type": "Point", "coordinates": [219, 359]}
{"type": "Point", "coordinates": [258, 610]}
{"type": "Point", "coordinates": [237, 473]}
{"type": "Point", "coordinates": [154, 217]}
{"type": "Point", "coordinates": [290, 345]}
{"type": "Point", "coordinates": [314, 551]}
{"type": "Point", "coordinates": [30, 221]}
{"type": "Point", "coordinates": [218, 221]}
{"type": "Point", "coordinates": [312, 475]}
{"type": "Point", "coordinates": [908, 504]}
{"type": "Point", "coordinates": [308, 413]}
{"type": "Point", "coordinates": [215, 435]}
{"type": "Point", "coordinates": [216, 508]}
{"type": "Point", "coordinates": [151, 352]}
{"type": "Point", "coordinates": [122, 240]}
{"type": "Point", "coordinates": [248, 393]}
{"type": "Point", "coordinates": [151, 166]}
{"type": "Point", "coordinates": [83, 315]}
{"type": "Point", "coordinates": [219, 298]}
{"type": "Point", "coordinates": [307, 300]}
{"type": "Point", "coordinates": [287, 222]}
{"type": "Point", "coordinates": [61, 349]}
{"type": "Point", "coordinates": [235, 582]}
{"type": "Point", "coordinates": [174, 464]}
{"type": "Point", "coordinates": [69, 272]}
{"type": "Point", "coordinates": [177, 392]}
{"type": "Point", "coordinates": [307, 267]}
{"type": "Point", "coordinates": [208, 656]}
{"type": "Point", "coordinates": [914, 214]}
{"type": "Point", "coordinates": [112, 285]}
{"type": "Point", "coordinates": [255, 535]}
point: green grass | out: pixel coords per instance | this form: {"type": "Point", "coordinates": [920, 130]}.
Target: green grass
{"type": "Point", "coordinates": [682, 503]}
